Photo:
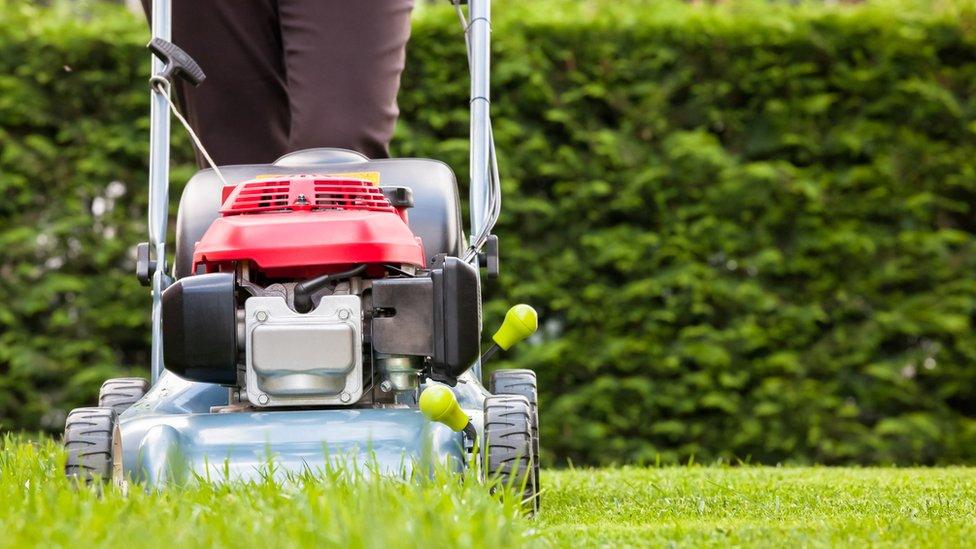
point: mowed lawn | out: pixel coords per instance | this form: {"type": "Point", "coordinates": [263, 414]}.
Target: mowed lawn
{"type": "Point", "coordinates": [761, 507]}
{"type": "Point", "coordinates": [670, 506]}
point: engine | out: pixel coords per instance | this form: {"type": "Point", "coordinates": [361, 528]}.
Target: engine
{"type": "Point", "coordinates": [311, 290]}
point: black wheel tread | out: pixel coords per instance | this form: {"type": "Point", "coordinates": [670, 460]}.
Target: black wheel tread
{"type": "Point", "coordinates": [508, 436]}
{"type": "Point", "coordinates": [122, 392]}
{"type": "Point", "coordinates": [88, 441]}
{"type": "Point", "coordinates": [524, 383]}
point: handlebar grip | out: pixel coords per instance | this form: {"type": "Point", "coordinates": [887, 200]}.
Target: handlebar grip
{"type": "Point", "coordinates": [178, 62]}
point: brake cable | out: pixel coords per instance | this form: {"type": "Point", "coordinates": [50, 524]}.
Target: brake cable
{"type": "Point", "coordinates": [162, 86]}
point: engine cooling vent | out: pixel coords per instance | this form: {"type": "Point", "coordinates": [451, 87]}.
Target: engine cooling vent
{"type": "Point", "coordinates": [305, 193]}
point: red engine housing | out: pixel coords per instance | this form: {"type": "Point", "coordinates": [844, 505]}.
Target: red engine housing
{"type": "Point", "coordinates": [306, 225]}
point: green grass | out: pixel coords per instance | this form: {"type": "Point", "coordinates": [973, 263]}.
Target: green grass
{"type": "Point", "coordinates": [682, 506]}
{"type": "Point", "coordinates": [762, 506]}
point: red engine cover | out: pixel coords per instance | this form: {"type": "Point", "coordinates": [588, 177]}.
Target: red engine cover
{"type": "Point", "coordinates": [305, 225]}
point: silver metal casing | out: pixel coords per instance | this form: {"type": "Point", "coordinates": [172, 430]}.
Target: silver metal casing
{"type": "Point", "coordinates": [313, 359]}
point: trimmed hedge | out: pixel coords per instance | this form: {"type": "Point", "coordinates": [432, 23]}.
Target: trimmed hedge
{"type": "Point", "coordinates": [748, 229]}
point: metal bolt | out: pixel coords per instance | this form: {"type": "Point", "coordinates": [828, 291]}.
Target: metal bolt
{"type": "Point", "coordinates": [261, 316]}
{"type": "Point", "coordinates": [386, 386]}
{"type": "Point", "coordinates": [263, 399]}
{"type": "Point", "coordinates": [345, 397]}
{"type": "Point", "coordinates": [344, 314]}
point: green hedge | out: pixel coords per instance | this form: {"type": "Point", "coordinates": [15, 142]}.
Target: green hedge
{"type": "Point", "coordinates": [748, 229]}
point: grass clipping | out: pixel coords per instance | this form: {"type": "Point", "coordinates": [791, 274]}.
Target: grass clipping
{"type": "Point", "coordinates": [40, 507]}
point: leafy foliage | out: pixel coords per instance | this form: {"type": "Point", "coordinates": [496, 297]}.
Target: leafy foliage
{"type": "Point", "coordinates": [748, 229]}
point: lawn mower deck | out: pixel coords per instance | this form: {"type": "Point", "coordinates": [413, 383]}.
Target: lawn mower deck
{"type": "Point", "coordinates": [171, 434]}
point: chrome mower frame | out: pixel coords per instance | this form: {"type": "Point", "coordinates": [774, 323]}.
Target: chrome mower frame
{"type": "Point", "coordinates": [173, 435]}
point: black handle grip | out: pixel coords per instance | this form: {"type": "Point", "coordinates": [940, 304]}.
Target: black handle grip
{"type": "Point", "coordinates": [178, 62]}
{"type": "Point", "coordinates": [145, 267]}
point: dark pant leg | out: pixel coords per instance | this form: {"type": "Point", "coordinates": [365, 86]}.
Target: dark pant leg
{"type": "Point", "coordinates": [343, 61]}
{"type": "Point", "coordinates": [241, 110]}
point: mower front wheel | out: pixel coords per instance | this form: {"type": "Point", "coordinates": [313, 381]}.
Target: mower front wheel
{"type": "Point", "coordinates": [122, 392]}
{"type": "Point", "coordinates": [88, 436]}
{"type": "Point", "coordinates": [523, 383]}
{"type": "Point", "coordinates": [509, 453]}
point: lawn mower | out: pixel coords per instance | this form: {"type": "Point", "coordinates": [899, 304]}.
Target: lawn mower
{"type": "Point", "coordinates": [325, 306]}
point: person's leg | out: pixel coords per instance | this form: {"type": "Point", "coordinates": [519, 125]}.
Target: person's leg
{"type": "Point", "coordinates": [344, 60]}
{"type": "Point", "coordinates": [241, 110]}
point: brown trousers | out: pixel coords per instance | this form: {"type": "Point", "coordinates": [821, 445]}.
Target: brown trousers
{"type": "Point", "coordinates": [284, 75]}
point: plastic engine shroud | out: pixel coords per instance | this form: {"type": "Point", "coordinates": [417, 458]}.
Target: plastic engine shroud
{"type": "Point", "coordinates": [302, 225]}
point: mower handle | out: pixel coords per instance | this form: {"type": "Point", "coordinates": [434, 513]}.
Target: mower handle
{"type": "Point", "coordinates": [159, 138]}
{"type": "Point", "coordinates": [176, 62]}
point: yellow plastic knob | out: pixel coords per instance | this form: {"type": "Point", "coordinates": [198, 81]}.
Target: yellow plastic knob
{"type": "Point", "coordinates": [520, 322]}
{"type": "Point", "coordinates": [439, 404]}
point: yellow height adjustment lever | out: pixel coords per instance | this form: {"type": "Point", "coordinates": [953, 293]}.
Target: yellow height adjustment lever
{"type": "Point", "coordinates": [438, 403]}
{"type": "Point", "coordinates": [520, 322]}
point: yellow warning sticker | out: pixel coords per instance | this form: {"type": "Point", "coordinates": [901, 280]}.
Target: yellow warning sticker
{"type": "Point", "coordinates": [372, 177]}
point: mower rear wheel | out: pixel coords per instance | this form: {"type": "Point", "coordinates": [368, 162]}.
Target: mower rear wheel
{"type": "Point", "coordinates": [88, 436]}
{"type": "Point", "coordinates": [523, 383]}
{"type": "Point", "coordinates": [122, 392]}
{"type": "Point", "coordinates": [509, 454]}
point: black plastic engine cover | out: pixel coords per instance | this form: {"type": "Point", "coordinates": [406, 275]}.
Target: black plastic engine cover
{"type": "Point", "coordinates": [410, 331]}
{"type": "Point", "coordinates": [200, 328]}
{"type": "Point", "coordinates": [457, 319]}
{"type": "Point", "coordinates": [439, 316]}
